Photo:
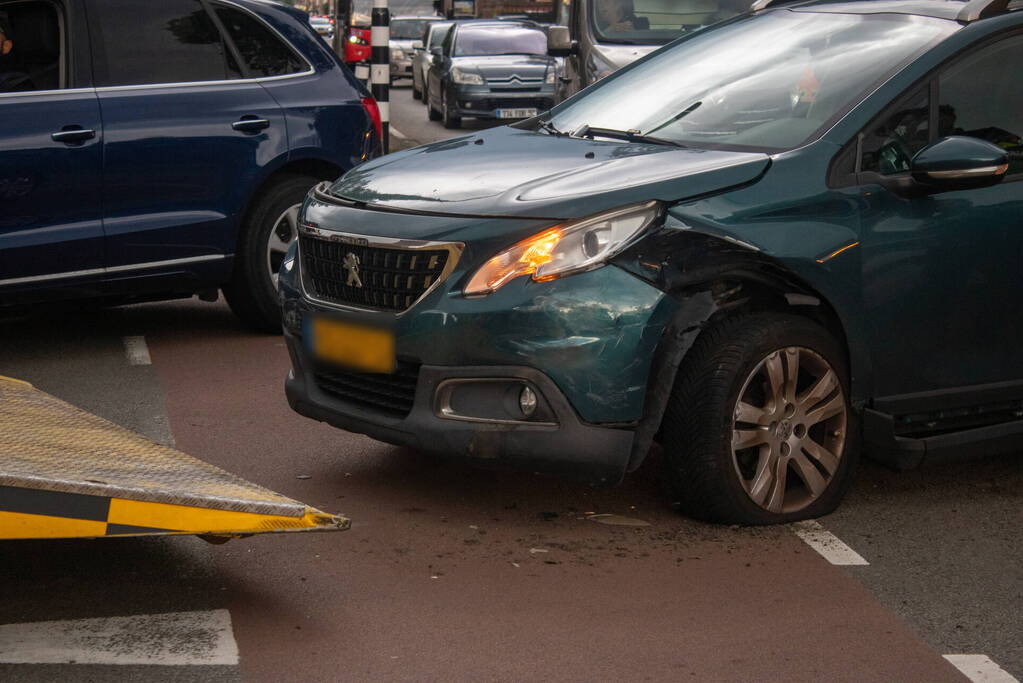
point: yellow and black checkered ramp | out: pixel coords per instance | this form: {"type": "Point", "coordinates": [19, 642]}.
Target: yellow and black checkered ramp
{"type": "Point", "coordinates": [66, 473]}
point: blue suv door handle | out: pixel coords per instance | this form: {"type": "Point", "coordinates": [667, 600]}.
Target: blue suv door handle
{"type": "Point", "coordinates": [71, 135]}
{"type": "Point", "coordinates": [253, 125]}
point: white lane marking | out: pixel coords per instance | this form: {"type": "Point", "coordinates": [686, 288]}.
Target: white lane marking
{"type": "Point", "coordinates": [827, 544]}
{"type": "Point", "coordinates": [980, 669]}
{"type": "Point", "coordinates": [177, 638]}
{"type": "Point", "coordinates": [398, 134]}
{"type": "Point", "coordinates": [137, 351]}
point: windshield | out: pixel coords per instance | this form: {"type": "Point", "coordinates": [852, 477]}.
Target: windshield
{"type": "Point", "coordinates": [500, 40]}
{"type": "Point", "coordinates": [656, 22]}
{"type": "Point", "coordinates": [363, 9]}
{"type": "Point", "coordinates": [408, 29]}
{"type": "Point", "coordinates": [764, 81]}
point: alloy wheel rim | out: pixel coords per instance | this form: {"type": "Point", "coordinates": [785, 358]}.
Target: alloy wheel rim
{"type": "Point", "coordinates": [789, 429]}
{"type": "Point", "coordinates": [283, 233]}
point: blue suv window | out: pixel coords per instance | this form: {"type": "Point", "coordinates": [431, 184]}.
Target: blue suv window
{"type": "Point", "coordinates": [30, 47]}
{"type": "Point", "coordinates": [263, 53]}
{"type": "Point", "coordinates": [171, 41]}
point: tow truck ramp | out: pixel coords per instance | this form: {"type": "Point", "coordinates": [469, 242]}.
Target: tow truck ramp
{"type": "Point", "coordinates": [65, 473]}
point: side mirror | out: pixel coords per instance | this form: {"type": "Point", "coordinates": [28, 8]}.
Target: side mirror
{"type": "Point", "coordinates": [559, 41]}
{"type": "Point", "coordinates": [417, 45]}
{"type": "Point", "coordinates": [959, 163]}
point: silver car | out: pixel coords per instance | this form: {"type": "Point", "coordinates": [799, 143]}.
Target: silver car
{"type": "Point", "coordinates": [404, 32]}
{"type": "Point", "coordinates": [433, 36]}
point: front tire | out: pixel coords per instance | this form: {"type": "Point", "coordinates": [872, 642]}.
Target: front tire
{"type": "Point", "coordinates": [450, 120]}
{"type": "Point", "coordinates": [269, 228]}
{"type": "Point", "coordinates": [759, 428]}
{"type": "Point", "coordinates": [416, 94]}
{"type": "Point", "coordinates": [431, 113]}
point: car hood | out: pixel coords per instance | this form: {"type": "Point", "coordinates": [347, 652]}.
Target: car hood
{"type": "Point", "coordinates": [401, 44]}
{"type": "Point", "coordinates": [511, 172]}
{"type": "Point", "coordinates": [505, 66]}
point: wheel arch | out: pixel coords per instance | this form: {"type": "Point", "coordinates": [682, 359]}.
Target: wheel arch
{"type": "Point", "coordinates": [751, 283]}
{"type": "Point", "coordinates": [313, 166]}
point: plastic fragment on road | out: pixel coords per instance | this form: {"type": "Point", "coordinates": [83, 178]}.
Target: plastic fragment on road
{"type": "Point", "coordinates": [617, 520]}
{"type": "Point", "coordinates": [65, 473]}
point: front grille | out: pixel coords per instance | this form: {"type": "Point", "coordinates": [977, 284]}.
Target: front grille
{"type": "Point", "coordinates": [391, 279]}
{"type": "Point", "coordinates": [516, 89]}
{"type": "Point", "coordinates": [515, 80]}
{"type": "Point", "coordinates": [390, 395]}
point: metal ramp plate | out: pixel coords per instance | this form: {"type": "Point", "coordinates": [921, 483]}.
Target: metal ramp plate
{"type": "Point", "coordinates": [67, 473]}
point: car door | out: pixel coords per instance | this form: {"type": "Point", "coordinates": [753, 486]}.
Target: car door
{"type": "Point", "coordinates": [943, 273]}
{"type": "Point", "coordinates": [50, 151]}
{"type": "Point", "coordinates": [439, 66]}
{"type": "Point", "coordinates": [187, 133]}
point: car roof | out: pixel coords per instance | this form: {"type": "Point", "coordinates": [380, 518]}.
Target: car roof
{"type": "Point", "coordinates": [420, 17]}
{"type": "Point", "coordinates": [494, 23]}
{"type": "Point", "coordinates": [963, 11]}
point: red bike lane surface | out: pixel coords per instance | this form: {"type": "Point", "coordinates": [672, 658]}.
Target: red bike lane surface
{"type": "Point", "coordinates": [454, 573]}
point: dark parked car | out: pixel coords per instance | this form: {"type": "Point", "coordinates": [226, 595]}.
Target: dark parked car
{"type": "Point", "coordinates": [490, 70]}
{"type": "Point", "coordinates": [759, 245]}
{"type": "Point", "coordinates": [159, 150]}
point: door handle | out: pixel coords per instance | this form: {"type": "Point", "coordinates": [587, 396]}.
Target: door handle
{"type": "Point", "coordinates": [73, 135]}
{"type": "Point", "coordinates": [252, 125]}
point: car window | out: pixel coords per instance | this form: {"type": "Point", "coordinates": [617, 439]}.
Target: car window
{"type": "Point", "coordinates": [437, 35]}
{"type": "Point", "coordinates": [30, 47]}
{"type": "Point", "coordinates": [889, 146]}
{"type": "Point", "coordinates": [263, 52]}
{"type": "Point", "coordinates": [407, 29]}
{"type": "Point", "coordinates": [980, 96]}
{"type": "Point", "coordinates": [172, 41]}
{"type": "Point", "coordinates": [500, 40]}
{"type": "Point", "coordinates": [656, 22]}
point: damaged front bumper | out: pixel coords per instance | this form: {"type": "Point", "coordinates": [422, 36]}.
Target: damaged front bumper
{"type": "Point", "coordinates": [582, 344]}
{"type": "Point", "coordinates": [560, 444]}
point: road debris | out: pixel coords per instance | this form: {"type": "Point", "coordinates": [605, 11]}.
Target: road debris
{"type": "Point", "coordinates": [618, 520]}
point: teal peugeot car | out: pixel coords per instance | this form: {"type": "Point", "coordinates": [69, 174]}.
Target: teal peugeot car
{"type": "Point", "coordinates": [770, 244]}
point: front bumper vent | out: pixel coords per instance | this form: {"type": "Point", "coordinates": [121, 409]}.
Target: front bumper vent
{"type": "Point", "coordinates": [391, 395]}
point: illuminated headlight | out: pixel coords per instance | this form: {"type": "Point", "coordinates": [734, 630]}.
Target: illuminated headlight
{"type": "Point", "coordinates": [551, 77]}
{"type": "Point", "coordinates": [397, 55]}
{"type": "Point", "coordinates": [466, 77]}
{"type": "Point", "coordinates": [574, 247]}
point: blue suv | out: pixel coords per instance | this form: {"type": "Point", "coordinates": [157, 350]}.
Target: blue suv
{"type": "Point", "coordinates": [161, 150]}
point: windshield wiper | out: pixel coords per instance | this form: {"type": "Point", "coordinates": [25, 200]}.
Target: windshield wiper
{"type": "Point", "coordinates": [681, 115]}
{"type": "Point", "coordinates": [586, 131]}
{"type": "Point", "coordinates": [550, 128]}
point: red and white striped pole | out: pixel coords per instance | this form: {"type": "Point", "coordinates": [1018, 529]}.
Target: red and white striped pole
{"type": "Point", "coordinates": [380, 65]}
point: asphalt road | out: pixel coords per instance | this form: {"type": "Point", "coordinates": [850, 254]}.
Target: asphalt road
{"type": "Point", "coordinates": [453, 573]}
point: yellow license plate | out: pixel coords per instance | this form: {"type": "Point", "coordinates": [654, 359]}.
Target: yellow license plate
{"type": "Point", "coordinates": [369, 349]}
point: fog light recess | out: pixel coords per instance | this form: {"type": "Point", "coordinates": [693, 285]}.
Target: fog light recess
{"type": "Point", "coordinates": [492, 399]}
